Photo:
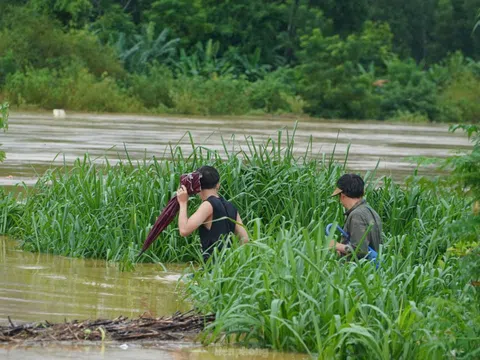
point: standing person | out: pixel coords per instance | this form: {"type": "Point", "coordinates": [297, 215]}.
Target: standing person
{"type": "Point", "coordinates": [362, 224]}
{"type": "Point", "coordinates": [213, 218]}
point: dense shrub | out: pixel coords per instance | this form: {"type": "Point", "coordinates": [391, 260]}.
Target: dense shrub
{"type": "Point", "coordinates": [29, 39]}
{"type": "Point", "coordinates": [39, 87]}
{"type": "Point", "coordinates": [70, 88]}
{"type": "Point", "coordinates": [214, 96]}
{"type": "Point", "coordinates": [152, 88]}
{"type": "Point", "coordinates": [276, 92]}
{"type": "Point", "coordinates": [460, 99]}
{"type": "Point", "coordinates": [337, 75]}
{"type": "Point", "coordinates": [409, 89]}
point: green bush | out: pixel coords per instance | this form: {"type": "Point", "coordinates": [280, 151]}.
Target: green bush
{"type": "Point", "coordinates": [71, 88]}
{"type": "Point", "coordinates": [409, 89]}
{"type": "Point", "coordinates": [86, 92]}
{"type": "Point", "coordinates": [7, 66]}
{"type": "Point", "coordinates": [408, 117]}
{"type": "Point", "coordinates": [337, 75]}
{"type": "Point", "coordinates": [40, 87]}
{"type": "Point", "coordinates": [153, 88]}
{"type": "Point", "coordinates": [275, 93]}
{"type": "Point", "coordinates": [460, 100]}
{"type": "Point", "coordinates": [30, 39]}
{"type": "Point", "coordinates": [458, 82]}
{"type": "Point", "coordinates": [10, 211]}
{"type": "Point", "coordinates": [215, 96]}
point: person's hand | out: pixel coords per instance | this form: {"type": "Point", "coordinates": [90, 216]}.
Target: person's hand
{"type": "Point", "coordinates": [182, 195]}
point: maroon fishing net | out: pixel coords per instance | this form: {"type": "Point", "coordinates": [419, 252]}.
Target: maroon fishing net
{"type": "Point", "coordinates": [192, 183]}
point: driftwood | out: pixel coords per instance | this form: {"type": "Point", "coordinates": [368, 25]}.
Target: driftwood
{"type": "Point", "coordinates": [175, 327]}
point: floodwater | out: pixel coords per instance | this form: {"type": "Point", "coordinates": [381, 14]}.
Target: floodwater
{"type": "Point", "coordinates": [172, 351]}
{"type": "Point", "coordinates": [37, 141]}
{"type": "Point", "coordinates": [36, 287]}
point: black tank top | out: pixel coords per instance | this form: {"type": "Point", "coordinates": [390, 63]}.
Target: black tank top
{"type": "Point", "coordinates": [220, 228]}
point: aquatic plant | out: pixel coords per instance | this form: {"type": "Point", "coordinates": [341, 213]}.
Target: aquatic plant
{"type": "Point", "coordinates": [105, 210]}
{"type": "Point", "coordinates": [284, 289]}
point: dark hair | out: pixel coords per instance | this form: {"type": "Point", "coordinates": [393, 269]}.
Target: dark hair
{"type": "Point", "coordinates": [352, 185]}
{"type": "Point", "coordinates": [210, 177]}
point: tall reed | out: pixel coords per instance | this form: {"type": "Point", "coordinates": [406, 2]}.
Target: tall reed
{"type": "Point", "coordinates": [105, 210]}
{"type": "Point", "coordinates": [284, 289]}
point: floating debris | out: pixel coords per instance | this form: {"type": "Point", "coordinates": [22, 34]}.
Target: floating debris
{"type": "Point", "coordinates": [176, 327]}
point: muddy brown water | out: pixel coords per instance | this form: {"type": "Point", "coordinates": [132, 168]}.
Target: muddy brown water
{"type": "Point", "coordinates": [37, 286]}
{"type": "Point", "coordinates": [44, 287]}
{"type": "Point", "coordinates": [172, 351]}
{"type": "Point", "coordinates": [34, 142]}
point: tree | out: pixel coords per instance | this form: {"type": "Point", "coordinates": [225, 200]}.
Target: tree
{"type": "Point", "coordinates": [146, 48]}
{"type": "Point", "coordinates": [348, 16]}
{"type": "Point", "coordinates": [478, 22]}
{"type": "Point", "coordinates": [336, 74]}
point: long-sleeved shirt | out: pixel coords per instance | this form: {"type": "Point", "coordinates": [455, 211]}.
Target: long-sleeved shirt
{"type": "Point", "coordinates": [364, 226]}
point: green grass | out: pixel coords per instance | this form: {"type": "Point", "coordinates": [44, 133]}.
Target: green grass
{"type": "Point", "coordinates": [283, 290]}
{"type": "Point", "coordinates": [105, 211]}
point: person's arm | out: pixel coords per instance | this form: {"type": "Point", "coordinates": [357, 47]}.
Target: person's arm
{"type": "Point", "coordinates": [187, 225]}
{"type": "Point", "coordinates": [339, 247]}
{"type": "Point", "coordinates": [240, 230]}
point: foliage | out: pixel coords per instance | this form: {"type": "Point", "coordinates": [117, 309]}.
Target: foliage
{"type": "Point", "coordinates": [29, 39]}
{"type": "Point", "coordinates": [4, 116]}
{"type": "Point", "coordinates": [466, 168]}
{"type": "Point", "coordinates": [408, 117]}
{"type": "Point", "coordinates": [146, 48]}
{"type": "Point", "coordinates": [334, 81]}
{"type": "Point", "coordinates": [11, 210]}
{"type": "Point", "coordinates": [285, 291]}
{"type": "Point", "coordinates": [153, 87]}
{"type": "Point", "coordinates": [362, 60]}
{"type": "Point", "coordinates": [203, 61]}
{"type": "Point", "coordinates": [50, 88]}
{"type": "Point", "coordinates": [102, 211]}
{"type": "Point", "coordinates": [276, 93]}
{"type": "Point", "coordinates": [223, 95]}
{"type": "Point", "coordinates": [409, 89]}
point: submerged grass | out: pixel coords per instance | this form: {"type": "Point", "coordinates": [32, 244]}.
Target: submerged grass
{"type": "Point", "coordinates": [105, 211]}
{"type": "Point", "coordinates": [283, 290]}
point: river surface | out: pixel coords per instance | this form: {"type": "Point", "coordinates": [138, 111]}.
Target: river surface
{"type": "Point", "coordinates": [37, 141]}
{"type": "Point", "coordinates": [36, 287]}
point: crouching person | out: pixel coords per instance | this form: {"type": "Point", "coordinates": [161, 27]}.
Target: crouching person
{"type": "Point", "coordinates": [362, 233]}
